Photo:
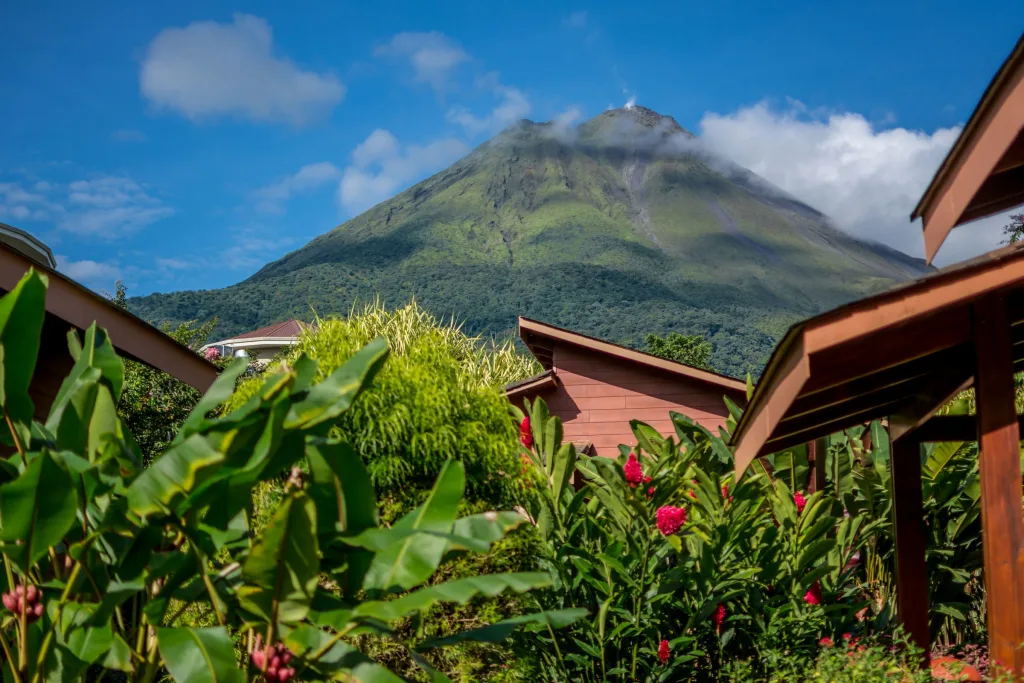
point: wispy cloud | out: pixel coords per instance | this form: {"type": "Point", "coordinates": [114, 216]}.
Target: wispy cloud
{"type": "Point", "coordinates": [105, 207]}
{"type": "Point", "coordinates": [208, 69]}
{"type": "Point", "coordinates": [250, 250]}
{"type": "Point", "coordinates": [271, 198]}
{"type": "Point", "coordinates": [109, 207]}
{"type": "Point", "coordinates": [433, 56]}
{"type": "Point", "coordinates": [577, 19]}
{"type": "Point", "coordinates": [129, 135]}
{"type": "Point", "coordinates": [512, 105]}
{"type": "Point", "coordinates": [381, 166]}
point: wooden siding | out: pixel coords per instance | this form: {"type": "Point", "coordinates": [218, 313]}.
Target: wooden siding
{"type": "Point", "coordinates": [598, 395]}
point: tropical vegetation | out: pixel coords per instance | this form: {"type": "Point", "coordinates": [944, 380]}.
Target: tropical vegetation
{"type": "Point", "coordinates": [103, 555]}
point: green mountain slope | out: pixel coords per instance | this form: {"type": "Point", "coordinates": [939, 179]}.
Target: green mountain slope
{"type": "Point", "coordinates": [617, 228]}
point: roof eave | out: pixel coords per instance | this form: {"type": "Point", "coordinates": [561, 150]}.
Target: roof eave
{"type": "Point", "coordinates": [990, 132]}
{"type": "Point", "coordinates": [528, 327]}
{"type": "Point", "coordinates": [130, 335]}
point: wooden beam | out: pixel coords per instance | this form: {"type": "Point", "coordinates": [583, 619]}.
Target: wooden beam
{"type": "Point", "coordinates": [948, 428]}
{"type": "Point", "coordinates": [1002, 521]}
{"type": "Point", "coordinates": [911, 540]}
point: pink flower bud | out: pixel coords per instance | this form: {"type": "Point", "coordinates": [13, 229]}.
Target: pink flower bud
{"type": "Point", "coordinates": [634, 475]}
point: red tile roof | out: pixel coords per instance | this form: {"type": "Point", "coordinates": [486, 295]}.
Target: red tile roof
{"type": "Point", "coordinates": [289, 328]}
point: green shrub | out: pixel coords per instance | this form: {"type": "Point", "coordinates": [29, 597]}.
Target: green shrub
{"type": "Point", "coordinates": [102, 556]}
{"type": "Point", "coordinates": [437, 398]}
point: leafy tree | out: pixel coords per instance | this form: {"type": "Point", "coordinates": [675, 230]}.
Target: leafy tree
{"type": "Point", "coordinates": [154, 404]}
{"type": "Point", "coordinates": [1014, 230]}
{"type": "Point", "coordinates": [691, 349]}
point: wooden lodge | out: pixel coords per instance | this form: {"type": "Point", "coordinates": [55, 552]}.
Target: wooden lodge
{"type": "Point", "coordinates": [904, 353]}
{"type": "Point", "coordinates": [597, 387]}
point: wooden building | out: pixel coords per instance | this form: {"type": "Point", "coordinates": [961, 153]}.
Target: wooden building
{"type": "Point", "coordinates": [597, 387]}
{"type": "Point", "coordinates": [69, 306]}
{"type": "Point", "coordinates": [904, 353]}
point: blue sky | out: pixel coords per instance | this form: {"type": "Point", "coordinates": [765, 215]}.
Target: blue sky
{"type": "Point", "coordinates": [183, 146]}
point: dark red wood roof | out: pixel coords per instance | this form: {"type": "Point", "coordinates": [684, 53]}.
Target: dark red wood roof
{"type": "Point", "coordinates": [289, 328]}
{"type": "Point", "coordinates": [902, 352]}
{"type": "Point", "coordinates": [539, 338]}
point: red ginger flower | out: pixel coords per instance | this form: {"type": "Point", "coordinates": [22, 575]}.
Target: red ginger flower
{"type": "Point", "coordinates": [634, 475]}
{"type": "Point", "coordinates": [825, 642]}
{"type": "Point", "coordinates": [813, 594]}
{"type": "Point", "coordinates": [663, 652]}
{"type": "Point", "coordinates": [799, 501]}
{"type": "Point", "coordinates": [26, 600]}
{"type": "Point", "coordinates": [650, 492]}
{"type": "Point", "coordinates": [525, 433]}
{"type": "Point", "coordinates": [718, 617]}
{"type": "Point", "coordinates": [670, 519]}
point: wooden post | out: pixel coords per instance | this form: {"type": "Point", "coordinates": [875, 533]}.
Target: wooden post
{"type": "Point", "coordinates": [816, 463]}
{"type": "Point", "coordinates": [1002, 520]}
{"type": "Point", "coordinates": [908, 520]}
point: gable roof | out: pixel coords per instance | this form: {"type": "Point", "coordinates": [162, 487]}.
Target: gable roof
{"type": "Point", "coordinates": [983, 174]}
{"type": "Point", "coordinates": [540, 337]}
{"type": "Point", "coordinates": [902, 352]}
{"type": "Point", "coordinates": [288, 328]}
{"type": "Point", "coordinates": [132, 337]}
{"type": "Point", "coordinates": [531, 385]}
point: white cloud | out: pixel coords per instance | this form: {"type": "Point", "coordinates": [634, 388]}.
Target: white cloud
{"type": "Point", "coordinates": [208, 69]}
{"type": "Point", "coordinates": [129, 135]}
{"type": "Point", "coordinates": [433, 56]}
{"type": "Point", "coordinates": [272, 197]}
{"type": "Point", "coordinates": [381, 166]}
{"type": "Point", "coordinates": [866, 179]}
{"type": "Point", "coordinates": [512, 106]}
{"type": "Point", "coordinates": [88, 272]}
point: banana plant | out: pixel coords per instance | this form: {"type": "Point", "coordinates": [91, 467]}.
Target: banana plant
{"type": "Point", "coordinates": [103, 558]}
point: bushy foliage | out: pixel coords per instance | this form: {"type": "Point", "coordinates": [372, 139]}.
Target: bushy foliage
{"type": "Point", "coordinates": [154, 404]}
{"type": "Point", "coordinates": [438, 397]}
{"type": "Point", "coordinates": [682, 569]}
{"type": "Point", "coordinates": [691, 349]}
{"type": "Point", "coordinates": [102, 556]}
{"type": "Point", "coordinates": [850, 660]}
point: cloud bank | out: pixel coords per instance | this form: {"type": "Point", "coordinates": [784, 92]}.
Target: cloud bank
{"type": "Point", "coordinates": [867, 179]}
